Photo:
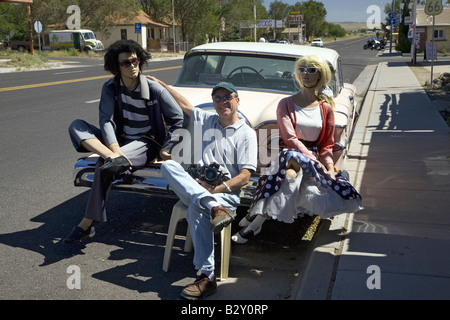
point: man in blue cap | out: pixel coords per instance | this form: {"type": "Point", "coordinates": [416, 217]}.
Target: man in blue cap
{"type": "Point", "coordinates": [228, 141]}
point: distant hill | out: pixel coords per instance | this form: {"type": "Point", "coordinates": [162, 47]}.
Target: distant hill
{"type": "Point", "coordinates": [352, 26]}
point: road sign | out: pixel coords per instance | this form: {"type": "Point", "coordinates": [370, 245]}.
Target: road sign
{"type": "Point", "coordinates": [392, 21]}
{"type": "Point", "coordinates": [433, 7]}
{"type": "Point", "coordinates": [137, 27]}
{"type": "Point", "coordinates": [298, 18]}
{"type": "Point", "coordinates": [38, 26]}
{"type": "Point", "coordinates": [392, 15]}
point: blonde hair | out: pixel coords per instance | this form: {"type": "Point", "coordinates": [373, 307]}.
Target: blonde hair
{"type": "Point", "coordinates": [325, 75]}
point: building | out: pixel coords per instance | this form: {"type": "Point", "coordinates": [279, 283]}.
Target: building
{"type": "Point", "coordinates": [424, 29]}
{"type": "Point", "coordinates": [153, 36]}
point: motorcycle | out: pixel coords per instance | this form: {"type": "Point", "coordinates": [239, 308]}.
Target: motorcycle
{"type": "Point", "coordinates": [374, 44]}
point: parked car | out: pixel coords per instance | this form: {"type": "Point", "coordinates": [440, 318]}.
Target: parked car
{"type": "Point", "coordinates": [318, 42]}
{"type": "Point", "coordinates": [263, 74]}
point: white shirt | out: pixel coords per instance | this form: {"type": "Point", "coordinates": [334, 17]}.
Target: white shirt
{"type": "Point", "coordinates": [309, 122]}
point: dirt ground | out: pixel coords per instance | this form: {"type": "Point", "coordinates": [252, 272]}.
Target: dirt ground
{"type": "Point", "coordinates": [439, 97]}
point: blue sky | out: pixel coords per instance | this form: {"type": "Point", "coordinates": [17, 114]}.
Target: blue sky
{"type": "Point", "coordinates": [345, 10]}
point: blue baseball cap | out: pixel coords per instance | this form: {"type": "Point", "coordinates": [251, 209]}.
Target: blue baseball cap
{"type": "Point", "coordinates": [226, 85]}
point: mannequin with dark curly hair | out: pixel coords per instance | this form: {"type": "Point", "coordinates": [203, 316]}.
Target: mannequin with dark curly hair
{"type": "Point", "coordinates": [137, 118]}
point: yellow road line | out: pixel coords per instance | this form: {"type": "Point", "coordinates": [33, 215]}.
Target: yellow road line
{"type": "Point", "coordinates": [46, 84]}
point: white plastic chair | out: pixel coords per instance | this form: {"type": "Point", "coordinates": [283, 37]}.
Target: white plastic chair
{"type": "Point", "coordinates": [178, 214]}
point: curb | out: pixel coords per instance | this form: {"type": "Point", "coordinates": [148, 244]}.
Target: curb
{"type": "Point", "coordinates": [318, 278]}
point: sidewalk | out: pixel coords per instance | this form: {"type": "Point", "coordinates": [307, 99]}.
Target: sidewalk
{"type": "Point", "coordinates": [399, 160]}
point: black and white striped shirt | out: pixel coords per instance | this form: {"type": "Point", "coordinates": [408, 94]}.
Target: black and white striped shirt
{"type": "Point", "coordinates": [136, 121]}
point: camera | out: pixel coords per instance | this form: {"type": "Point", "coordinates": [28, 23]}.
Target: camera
{"type": "Point", "coordinates": [210, 174]}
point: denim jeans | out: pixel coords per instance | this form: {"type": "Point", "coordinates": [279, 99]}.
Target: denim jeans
{"type": "Point", "coordinates": [194, 196]}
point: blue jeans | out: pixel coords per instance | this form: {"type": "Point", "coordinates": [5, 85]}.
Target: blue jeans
{"type": "Point", "coordinates": [194, 196]}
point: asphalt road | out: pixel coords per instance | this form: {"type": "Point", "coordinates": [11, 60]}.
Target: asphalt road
{"type": "Point", "coordinates": [40, 205]}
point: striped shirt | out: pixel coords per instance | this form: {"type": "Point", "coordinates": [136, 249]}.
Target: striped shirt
{"type": "Point", "coordinates": [136, 121]}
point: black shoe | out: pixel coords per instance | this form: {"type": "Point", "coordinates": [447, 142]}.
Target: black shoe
{"type": "Point", "coordinates": [79, 234]}
{"type": "Point", "coordinates": [113, 167]}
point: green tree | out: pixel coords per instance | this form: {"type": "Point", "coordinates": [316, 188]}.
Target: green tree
{"type": "Point", "coordinates": [403, 45]}
{"type": "Point", "coordinates": [279, 11]}
{"type": "Point", "coordinates": [158, 10]}
{"type": "Point", "coordinates": [11, 16]}
{"type": "Point", "coordinates": [335, 30]}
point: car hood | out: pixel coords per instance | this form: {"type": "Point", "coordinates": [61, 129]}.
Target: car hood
{"type": "Point", "coordinates": [256, 106]}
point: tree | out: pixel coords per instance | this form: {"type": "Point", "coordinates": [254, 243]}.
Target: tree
{"type": "Point", "coordinates": [279, 11]}
{"type": "Point", "coordinates": [403, 45]}
{"type": "Point", "coordinates": [335, 30]}
{"type": "Point", "coordinates": [196, 18]}
{"type": "Point", "coordinates": [10, 27]}
{"type": "Point", "coordinates": [158, 10]}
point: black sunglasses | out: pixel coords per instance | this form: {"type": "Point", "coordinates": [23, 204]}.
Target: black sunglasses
{"type": "Point", "coordinates": [225, 98]}
{"type": "Point", "coordinates": [128, 63]}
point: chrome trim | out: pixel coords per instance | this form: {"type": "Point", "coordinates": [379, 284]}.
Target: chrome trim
{"type": "Point", "coordinates": [265, 123]}
{"type": "Point", "coordinates": [147, 181]}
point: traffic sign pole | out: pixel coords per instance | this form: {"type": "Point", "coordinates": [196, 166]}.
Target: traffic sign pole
{"type": "Point", "coordinates": [38, 29]}
{"type": "Point", "coordinates": [433, 7]}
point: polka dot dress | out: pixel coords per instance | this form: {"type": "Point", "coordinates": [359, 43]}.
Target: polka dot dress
{"type": "Point", "coordinates": [270, 185]}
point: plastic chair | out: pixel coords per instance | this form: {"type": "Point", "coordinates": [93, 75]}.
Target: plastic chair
{"type": "Point", "coordinates": [178, 214]}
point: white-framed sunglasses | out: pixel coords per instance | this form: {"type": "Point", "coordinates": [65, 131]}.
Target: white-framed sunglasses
{"type": "Point", "coordinates": [309, 70]}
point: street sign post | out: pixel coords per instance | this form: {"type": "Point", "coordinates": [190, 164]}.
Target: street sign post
{"type": "Point", "coordinates": [38, 29]}
{"type": "Point", "coordinates": [137, 30]}
{"type": "Point", "coordinates": [433, 8]}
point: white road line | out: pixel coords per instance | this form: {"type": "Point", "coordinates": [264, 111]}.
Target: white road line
{"type": "Point", "coordinates": [92, 101]}
{"type": "Point", "coordinates": [66, 72]}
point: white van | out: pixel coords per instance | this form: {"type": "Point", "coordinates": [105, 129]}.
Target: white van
{"type": "Point", "coordinates": [83, 40]}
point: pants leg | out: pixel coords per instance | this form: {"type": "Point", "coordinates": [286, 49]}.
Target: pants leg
{"type": "Point", "coordinates": [137, 151]}
{"type": "Point", "coordinates": [198, 216]}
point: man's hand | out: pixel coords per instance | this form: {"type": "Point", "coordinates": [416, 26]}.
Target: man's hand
{"type": "Point", "coordinates": [205, 185]}
{"type": "Point", "coordinates": [165, 155]}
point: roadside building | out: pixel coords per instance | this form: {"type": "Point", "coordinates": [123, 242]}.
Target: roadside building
{"type": "Point", "coordinates": [424, 28]}
{"type": "Point", "coordinates": [153, 36]}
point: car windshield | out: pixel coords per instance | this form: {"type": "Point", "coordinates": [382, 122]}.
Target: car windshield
{"type": "Point", "coordinates": [248, 72]}
{"type": "Point", "coordinates": [244, 71]}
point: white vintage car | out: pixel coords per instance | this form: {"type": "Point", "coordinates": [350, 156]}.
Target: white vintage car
{"type": "Point", "coordinates": [263, 75]}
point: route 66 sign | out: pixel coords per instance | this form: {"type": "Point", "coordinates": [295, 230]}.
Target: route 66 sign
{"type": "Point", "coordinates": [433, 7]}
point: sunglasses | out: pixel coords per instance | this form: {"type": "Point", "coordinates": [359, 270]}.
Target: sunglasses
{"type": "Point", "coordinates": [225, 98]}
{"type": "Point", "coordinates": [309, 70]}
{"type": "Point", "coordinates": [128, 63]}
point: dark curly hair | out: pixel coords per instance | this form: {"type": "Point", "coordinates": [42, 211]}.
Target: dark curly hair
{"type": "Point", "coordinates": [111, 58]}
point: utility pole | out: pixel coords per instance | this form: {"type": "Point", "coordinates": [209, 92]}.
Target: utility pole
{"type": "Point", "coordinates": [392, 28]}
{"type": "Point", "coordinates": [173, 26]}
{"type": "Point", "coordinates": [254, 15]}
{"type": "Point", "coordinates": [413, 49]}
